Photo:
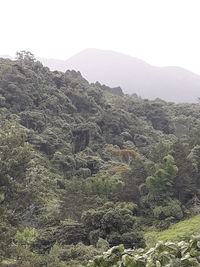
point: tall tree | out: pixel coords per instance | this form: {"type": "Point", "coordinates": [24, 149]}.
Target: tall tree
{"type": "Point", "coordinates": [160, 184]}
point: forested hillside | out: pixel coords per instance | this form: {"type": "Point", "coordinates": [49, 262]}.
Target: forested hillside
{"type": "Point", "coordinates": [85, 167]}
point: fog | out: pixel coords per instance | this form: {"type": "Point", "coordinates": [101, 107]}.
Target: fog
{"type": "Point", "coordinates": [163, 33]}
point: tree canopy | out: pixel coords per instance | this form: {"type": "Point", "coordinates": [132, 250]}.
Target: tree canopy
{"type": "Point", "coordinates": [84, 168]}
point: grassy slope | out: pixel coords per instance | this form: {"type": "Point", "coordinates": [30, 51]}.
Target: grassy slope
{"type": "Point", "coordinates": [179, 231]}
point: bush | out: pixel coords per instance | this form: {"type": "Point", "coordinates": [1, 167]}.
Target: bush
{"type": "Point", "coordinates": [111, 221]}
{"type": "Point", "coordinates": [172, 209]}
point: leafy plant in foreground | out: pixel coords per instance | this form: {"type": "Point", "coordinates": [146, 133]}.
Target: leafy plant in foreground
{"type": "Point", "coordinates": [169, 254]}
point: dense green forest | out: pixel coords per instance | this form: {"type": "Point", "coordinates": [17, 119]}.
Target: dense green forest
{"type": "Point", "coordinates": [85, 168]}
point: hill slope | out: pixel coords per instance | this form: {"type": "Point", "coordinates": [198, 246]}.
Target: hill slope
{"type": "Point", "coordinates": [84, 168]}
{"type": "Point", "coordinates": [132, 75]}
{"type": "Point", "coordinates": [180, 231]}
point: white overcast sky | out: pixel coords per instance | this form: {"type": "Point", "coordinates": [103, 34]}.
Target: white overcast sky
{"type": "Point", "coordinates": [161, 32]}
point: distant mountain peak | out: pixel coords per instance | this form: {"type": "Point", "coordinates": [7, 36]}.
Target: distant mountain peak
{"type": "Point", "coordinates": [133, 75]}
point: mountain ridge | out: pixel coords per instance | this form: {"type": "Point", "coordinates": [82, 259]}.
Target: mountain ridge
{"type": "Point", "coordinates": [133, 75]}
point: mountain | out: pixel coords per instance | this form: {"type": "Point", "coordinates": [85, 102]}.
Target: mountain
{"type": "Point", "coordinates": [84, 168]}
{"type": "Point", "coordinates": [132, 75]}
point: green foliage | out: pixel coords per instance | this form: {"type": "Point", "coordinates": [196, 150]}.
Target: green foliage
{"type": "Point", "coordinates": [194, 157]}
{"type": "Point", "coordinates": [177, 232]}
{"type": "Point", "coordinates": [160, 184]}
{"type": "Point", "coordinates": [54, 166]}
{"type": "Point", "coordinates": [25, 56]}
{"type": "Point", "coordinates": [184, 182]}
{"type": "Point", "coordinates": [7, 233]}
{"type": "Point", "coordinates": [26, 237]}
{"type": "Point", "coordinates": [54, 255]}
{"type": "Point", "coordinates": [133, 178]}
{"type": "Point", "coordinates": [183, 254]}
{"type": "Point", "coordinates": [80, 252]}
{"type": "Point", "coordinates": [104, 185]}
{"type": "Point", "coordinates": [102, 244]}
{"type": "Point", "coordinates": [172, 209]}
{"type": "Point", "coordinates": [116, 223]}
{"type": "Point", "coordinates": [16, 155]}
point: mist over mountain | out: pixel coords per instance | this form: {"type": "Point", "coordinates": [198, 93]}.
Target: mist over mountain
{"type": "Point", "coordinates": [132, 75]}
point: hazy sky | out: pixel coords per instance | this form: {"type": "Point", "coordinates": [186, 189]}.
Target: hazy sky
{"type": "Point", "coordinates": [161, 32]}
